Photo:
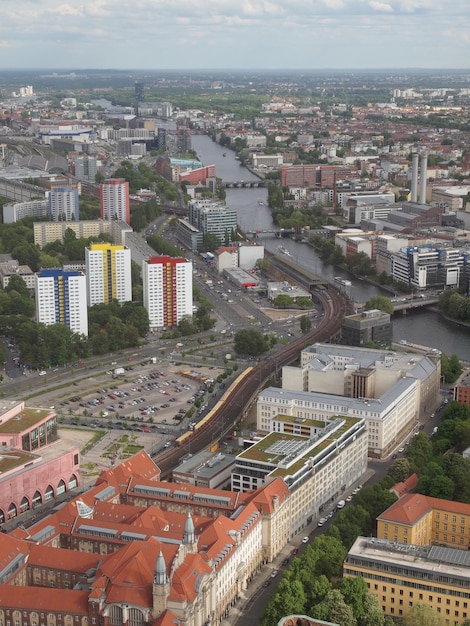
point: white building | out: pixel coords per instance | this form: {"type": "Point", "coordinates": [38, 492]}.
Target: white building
{"type": "Point", "coordinates": [389, 390]}
{"type": "Point", "coordinates": [114, 200]}
{"type": "Point", "coordinates": [63, 204]}
{"type": "Point", "coordinates": [18, 210]}
{"type": "Point", "coordinates": [168, 290]}
{"type": "Point", "coordinates": [61, 299]}
{"type": "Point", "coordinates": [317, 459]}
{"type": "Point", "coordinates": [108, 273]}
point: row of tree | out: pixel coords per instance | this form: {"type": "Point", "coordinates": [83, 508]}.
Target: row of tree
{"type": "Point", "coordinates": [312, 584]}
{"type": "Point", "coordinates": [111, 327]}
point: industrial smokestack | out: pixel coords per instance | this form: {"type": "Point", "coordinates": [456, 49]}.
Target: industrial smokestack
{"type": "Point", "coordinates": [423, 178]}
{"type": "Point", "coordinates": [414, 177]}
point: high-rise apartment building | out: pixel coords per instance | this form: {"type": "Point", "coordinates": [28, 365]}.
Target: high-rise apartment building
{"type": "Point", "coordinates": [63, 204]}
{"type": "Point", "coordinates": [168, 290]}
{"type": "Point", "coordinates": [114, 197]}
{"type": "Point", "coordinates": [108, 273]}
{"type": "Point", "coordinates": [61, 299]}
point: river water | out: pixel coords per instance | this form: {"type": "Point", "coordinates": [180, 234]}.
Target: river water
{"type": "Point", "coordinates": [424, 328]}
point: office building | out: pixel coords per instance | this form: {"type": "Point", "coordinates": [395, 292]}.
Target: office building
{"type": "Point", "coordinates": [86, 168]}
{"type": "Point", "coordinates": [367, 327]}
{"type": "Point", "coordinates": [108, 273]}
{"type": "Point", "coordinates": [114, 199]}
{"type": "Point", "coordinates": [61, 299]}
{"type": "Point", "coordinates": [213, 218]}
{"type": "Point", "coordinates": [403, 575]}
{"type": "Point", "coordinates": [63, 204]}
{"type": "Point", "coordinates": [168, 290]}
{"type": "Point", "coordinates": [317, 459]}
{"type": "Point", "coordinates": [390, 390]}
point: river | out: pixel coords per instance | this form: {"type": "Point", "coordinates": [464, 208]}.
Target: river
{"type": "Point", "coordinates": [425, 328]}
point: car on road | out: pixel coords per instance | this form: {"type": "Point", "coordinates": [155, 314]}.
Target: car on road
{"type": "Point", "coordinates": [322, 521]}
{"type": "Point", "coordinates": [274, 573]}
{"type": "Point", "coordinates": [42, 373]}
{"type": "Point", "coordinates": [400, 450]}
{"type": "Point", "coordinates": [305, 539]}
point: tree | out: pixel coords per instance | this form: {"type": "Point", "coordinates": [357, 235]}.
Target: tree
{"type": "Point", "coordinates": [250, 342]}
{"type": "Point", "coordinates": [421, 615]}
{"type": "Point", "coordinates": [17, 283]}
{"type": "Point", "coordinates": [373, 613]}
{"type": "Point", "coordinates": [379, 302]}
{"type": "Point", "coordinates": [334, 609]}
{"type": "Point", "coordinates": [400, 470]}
{"type": "Point", "coordinates": [283, 301]}
{"type": "Point", "coordinates": [305, 324]}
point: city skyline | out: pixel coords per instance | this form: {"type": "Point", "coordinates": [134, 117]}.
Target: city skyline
{"type": "Point", "coordinates": [294, 34]}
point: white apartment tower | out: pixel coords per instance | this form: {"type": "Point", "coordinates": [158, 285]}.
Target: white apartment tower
{"type": "Point", "coordinates": [61, 299]}
{"type": "Point", "coordinates": [114, 200]}
{"type": "Point", "coordinates": [168, 290]}
{"type": "Point", "coordinates": [108, 273]}
{"type": "Point", "coordinates": [63, 204]}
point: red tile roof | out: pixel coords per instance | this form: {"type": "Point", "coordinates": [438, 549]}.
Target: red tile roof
{"type": "Point", "coordinates": [44, 599]}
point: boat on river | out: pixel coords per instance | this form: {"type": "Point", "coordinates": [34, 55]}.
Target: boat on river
{"type": "Point", "coordinates": [342, 281]}
{"type": "Point", "coordinates": [284, 250]}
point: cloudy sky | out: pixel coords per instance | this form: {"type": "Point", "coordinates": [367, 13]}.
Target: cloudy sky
{"type": "Point", "coordinates": [257, 34]}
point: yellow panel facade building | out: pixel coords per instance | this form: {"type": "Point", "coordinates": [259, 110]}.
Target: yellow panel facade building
{"type": "Point", "coordinates": [402, 575]}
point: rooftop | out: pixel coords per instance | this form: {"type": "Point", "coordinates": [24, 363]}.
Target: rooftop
{"type": "Point", "coordinates": [24, 420]}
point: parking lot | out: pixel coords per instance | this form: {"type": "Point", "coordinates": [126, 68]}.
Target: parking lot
{"type": "Point", "coordinates": [148, 396]}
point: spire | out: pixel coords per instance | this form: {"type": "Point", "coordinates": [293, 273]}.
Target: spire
{"type": "Point", "coordinates": [160, 570]}
{"type": "Point", "coordinates": [189, 535]}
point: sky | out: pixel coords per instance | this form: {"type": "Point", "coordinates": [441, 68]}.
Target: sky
{"type": "Point", "coordinates": [231, 34]}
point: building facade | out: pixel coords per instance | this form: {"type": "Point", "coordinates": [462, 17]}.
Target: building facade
{"type": "Point", "coordinates": [63, 204]}
{"type": "Point", "coordinates": [213, 218]}
{"type": "Point", "coordinates": [318, 461]}
{"type": "Point", "coordinates": [61, 298]}
{"type": "Point", "coordinates": [403, 575]}
{"type": "Point", "coordinates": [108, 273]}
{"type": "Point", "coordinates": [168, 290]}
{"type": "Point", "coordinates": [114, 200]}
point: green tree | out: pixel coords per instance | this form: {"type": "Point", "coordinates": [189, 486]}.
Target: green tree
{"type": "Point", "coordinates": [283, 301]}
{"type": "Point", "coordinates": [373, 613]}
{"type": "Point", "coordinates": [305, 324]}
{"type": "Point", "coordinates": [334, 609]}
{"type": "Point", "coordinates": [379, 302]}
{"type": "Point", "coordinates": [17, 283]}
{"type": "Point", "coordinates": [250, 342]}
{"type": "Point", "coordinates": [421, 615]}
{"type": "Point", "coordinates": [400, 470]}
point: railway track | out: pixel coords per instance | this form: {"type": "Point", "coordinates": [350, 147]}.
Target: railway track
{"type": "Point", "coordinates": [241, 395]}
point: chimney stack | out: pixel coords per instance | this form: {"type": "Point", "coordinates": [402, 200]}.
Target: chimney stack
{"type": "Point", "coordinates": [423, 178]}
{"type": "Point", "coordinates": [414, 177]}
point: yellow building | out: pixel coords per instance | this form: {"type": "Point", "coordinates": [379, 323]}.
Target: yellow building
{"type": "Point", "coordinates": [402, 575]}
{"type": "Point", "coordinates": [421, 520]}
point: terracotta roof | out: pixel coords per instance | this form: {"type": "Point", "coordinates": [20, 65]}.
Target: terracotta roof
{"type": "Point", "coordinates": [185, 582]}
{"type": "Point", "coordinates": [44, 599]}
{"type": "Point", "coordinates": [62, 559]}
{"type": "Point", "coordinates": [167, 618]}
{"type": "Point", "coordinates": [407, 510]}
{"type": "Point", "coordinates": [264, 497]}
{"type": "Point", "coordinates": [139, 465]}
{"type": "Point", "coordinates": [399, 489]}
{"type": "Point", "coordinates": [413, 506]}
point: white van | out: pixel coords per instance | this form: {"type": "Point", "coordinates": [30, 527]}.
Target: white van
{"type": "Point", "coordinates": [340, 504]}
